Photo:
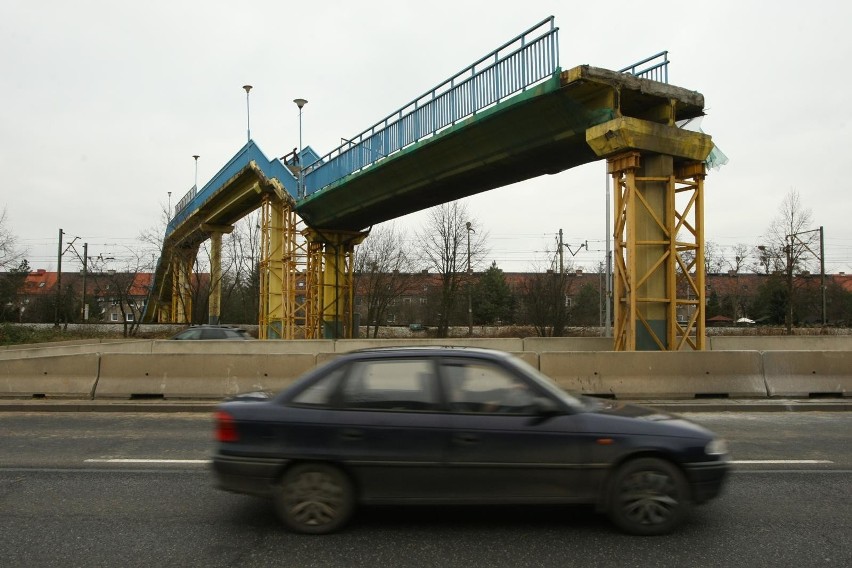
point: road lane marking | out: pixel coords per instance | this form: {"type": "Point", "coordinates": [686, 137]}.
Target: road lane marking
{"type": "Point", "coordinates": [785, 462]}
{"type": "Point", "coordinates": [130, 460]}
{"type": "Point", "coordinates": [185, 461]}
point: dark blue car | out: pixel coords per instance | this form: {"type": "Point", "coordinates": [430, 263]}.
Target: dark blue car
{"type": "Point", "coordinates": [455, 426]}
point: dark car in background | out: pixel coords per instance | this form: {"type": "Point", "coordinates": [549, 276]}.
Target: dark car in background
{"type": "Point", "coordinates": [197, 332]}
{"type": "Point", "coordinates": [456, 426]}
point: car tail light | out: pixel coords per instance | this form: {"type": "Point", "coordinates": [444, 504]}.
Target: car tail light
{"type": "Point", "coordinates": [226, 428]}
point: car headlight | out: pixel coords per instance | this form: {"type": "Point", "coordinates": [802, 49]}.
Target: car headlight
{"type": "Point", "coordinates": [716, 447]}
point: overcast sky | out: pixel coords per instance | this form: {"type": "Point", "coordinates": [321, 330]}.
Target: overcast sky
{"type": "Point", "coordinates": [104, 103]}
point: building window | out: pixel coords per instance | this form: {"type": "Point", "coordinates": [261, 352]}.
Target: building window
{"type": "Point", "coordinates": [568, 301]}
{"type": "Point", "coordinates": [422, 301]}
{"type": "Point", "coordinates": [128, 317]}
{"type": "Point", "coordinates": [113, 317]}
{"type": "Point", "coordinates": [391, 318]}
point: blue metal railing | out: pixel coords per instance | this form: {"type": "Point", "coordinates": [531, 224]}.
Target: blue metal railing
{"type": "Point", "coordinates": [655, 68]}
{"type": "Point", "coordinates": [519, 63]}
{"type": "Point", "coordinates": [194, 198]}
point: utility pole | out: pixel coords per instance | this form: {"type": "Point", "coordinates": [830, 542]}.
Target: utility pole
{"type": "Point", "coordinates": [791, 257]}
{"type": "Point", "coordinates": [58, 281]}
{"type": "Point", "coordinates": [84, 315]}
{"type": "Point", "coordinates": [561, 268]}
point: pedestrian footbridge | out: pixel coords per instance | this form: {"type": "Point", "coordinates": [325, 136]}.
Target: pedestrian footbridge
{"type": "Point", "coordinates": [513, 115]}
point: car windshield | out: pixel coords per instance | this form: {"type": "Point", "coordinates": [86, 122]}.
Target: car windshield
{"type": "Point", "coordinates": [546, 382]}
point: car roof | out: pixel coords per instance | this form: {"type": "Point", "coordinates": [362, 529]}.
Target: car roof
{"type": "Point", "coordinates": [431, 350]}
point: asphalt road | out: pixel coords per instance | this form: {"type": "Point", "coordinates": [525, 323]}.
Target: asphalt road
{"type": "Point", "coordinates": [64, 502]}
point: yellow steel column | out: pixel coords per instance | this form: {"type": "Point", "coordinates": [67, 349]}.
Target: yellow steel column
{"type": "Point", "coordinates": [182, 261]}
{"type": "Point", "coordinates": [652, 221]}
{"type": "Point", "coordinates": [271, 320]}
{"type": "Point", "coordinates": [214, 310]}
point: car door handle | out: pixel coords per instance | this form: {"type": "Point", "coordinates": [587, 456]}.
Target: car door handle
{"type": "Point", "coordinates": [350, 434]}
{"type": "Point", "coordinates": [466, 438]}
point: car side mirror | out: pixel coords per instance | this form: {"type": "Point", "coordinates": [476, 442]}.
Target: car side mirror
{"type": "Point", "coordinates": [545, 406]}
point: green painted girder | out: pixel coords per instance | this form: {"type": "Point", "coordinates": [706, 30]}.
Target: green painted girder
{"type": "Point", "coordinates": [540, 131]}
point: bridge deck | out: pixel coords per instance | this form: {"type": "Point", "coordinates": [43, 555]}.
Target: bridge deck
{"type": "Point", "coordinates": [540, 131]}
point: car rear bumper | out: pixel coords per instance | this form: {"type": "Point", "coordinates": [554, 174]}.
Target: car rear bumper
{"type": "Point", "coordinates": [706, 479]}
{"type": "Point", "coordinates": [254, 476]}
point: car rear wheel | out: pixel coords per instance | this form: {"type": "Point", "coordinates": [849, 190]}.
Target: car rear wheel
{"type": "Point", "coordinates": [649, 496]}
{"type": "Point", "coordinates": [314, 498]}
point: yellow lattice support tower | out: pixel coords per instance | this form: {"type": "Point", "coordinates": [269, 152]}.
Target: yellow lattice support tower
{"type": "Point", "coordinates": [331, 263]}
{"type": "Point", "coordinates": [659, 276]}
{"type": "Point", "coordinates": [287, 305]}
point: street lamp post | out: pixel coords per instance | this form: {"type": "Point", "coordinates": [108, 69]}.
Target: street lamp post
{"type": "Point", "coordinates": [248, 114]}
{"type": "Point", "coordinates": [469, 293]}
{"type": "Point", "coordinates": [300, 103]}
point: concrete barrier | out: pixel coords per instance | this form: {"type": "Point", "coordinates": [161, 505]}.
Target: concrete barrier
{"type": "Point", "coordinates": [174, 375]}
{"type": "Point", "coordinates": [70, 376]}
{"type": "Point", "coordinates": [638, 375]}
{"type": "Point", "coordinates": [509, 344]}
{"type": "Point", "coordinates": [545, 344]}
{"type": "Point", "coordinates": [808, 373]}
{"type": "Point", "coordinates": [50, 350]}
{"type": "Point", "coordinates": [781, 343]}
{"type": "Point", "coordinates": [272, 347]}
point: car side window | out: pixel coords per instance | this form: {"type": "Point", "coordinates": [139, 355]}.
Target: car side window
{"type": "Point", "coordinates": [190, 334]}
{"type": "Point", "coordinates": [320, 393]}
{"type": "Point", "coordinates": [482, 387]}
{"type": "Point", "coordinates": [395, 384]}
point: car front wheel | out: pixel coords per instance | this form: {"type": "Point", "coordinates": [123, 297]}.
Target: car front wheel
{"type": "Point", "coordinates": [314, 498]}
{"type": "Point", "coordinates": [649, 496]}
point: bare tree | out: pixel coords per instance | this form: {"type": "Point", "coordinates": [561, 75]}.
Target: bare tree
{"type": "Point", "coordinates": [789, 242]}
{"type": "Point", "coordinates": [124, 288]}
{"type": "Point", "coordinates": [382, 267]}
{"type": "Point", "coordinates": [240, 275]}
{"type": "Point", "coordinates": [449, 228]}
{"type": "Point", "coordinates": [10, 255]}
{"type": "Point", "coordinates": [713, 258]}
{"type": "Point", "coordinates": [545, 296]}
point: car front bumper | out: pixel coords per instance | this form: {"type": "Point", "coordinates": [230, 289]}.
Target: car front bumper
{"type": "Point", "coordinates": [706, 479]}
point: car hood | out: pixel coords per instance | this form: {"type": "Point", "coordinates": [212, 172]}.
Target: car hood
{"type": "Point", "coordinates": [617, 414]}
{"type": "Point", "coordinates": [257, 396]}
